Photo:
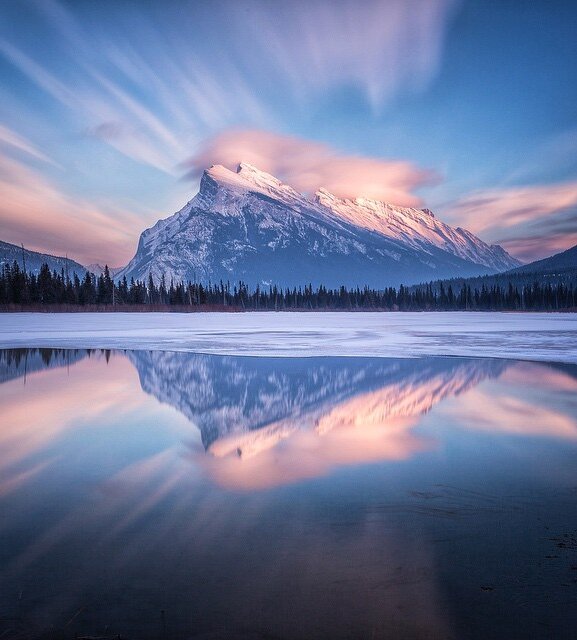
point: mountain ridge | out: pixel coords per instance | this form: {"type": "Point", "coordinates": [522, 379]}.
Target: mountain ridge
{"type": "Point", "coordinates": [561, 262]}
{"type": "Point", "coordinates": [33, 260]}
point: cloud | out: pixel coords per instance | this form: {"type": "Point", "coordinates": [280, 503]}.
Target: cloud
{"type": "Point", "coordinates": [108, 131]}
{"type": "Point", "coordinates": [35, 211]}
{"type": "Point", "coordinates": [11, 140]}
{"type": "Point", "coordinates": [169, 78]}
{"type": "Point", "coordinates": [381, 47]}
{"type": "Point", "coordinates": [531, 222]}
{"type": "Point", "coordinates": [308, 165]}
{"type": "Point", "coordinates": [536, 247]}
{"type": "Point", "coordinates": [99, 100]}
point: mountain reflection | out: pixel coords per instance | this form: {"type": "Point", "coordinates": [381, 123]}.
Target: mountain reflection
{"type": "Point", "coordinates": [264, 422]}
{"type": "Point", "coordinates": [243, 404]}
{"type": "Point", "coordinates": [288, 419]}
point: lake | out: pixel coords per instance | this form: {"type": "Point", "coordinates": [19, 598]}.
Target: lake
{"type": "Point", "coordinates": [156, 494]}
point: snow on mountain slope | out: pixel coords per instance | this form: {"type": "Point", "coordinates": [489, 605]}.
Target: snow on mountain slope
{"type": "Point", "coordinates": [402, 393]}
{"type": "Point", "coordinates": [247, 225]}
{"type": "Point", "coordinates": [417, 228]}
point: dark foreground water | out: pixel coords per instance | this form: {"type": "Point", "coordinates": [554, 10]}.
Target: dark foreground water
{"type": "Point", "coordinates": [173, 495]}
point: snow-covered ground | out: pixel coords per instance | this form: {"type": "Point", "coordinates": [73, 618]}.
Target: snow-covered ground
{"type": "Point", "coordinates": [538, 336]}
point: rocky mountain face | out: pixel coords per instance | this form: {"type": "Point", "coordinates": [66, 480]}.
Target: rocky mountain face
{"type": "Point", "coordinates": [244, 405]}
{"type": "Point", "coordinates": [33, 260]}
{"type": "Point", "coordinates": [247, 225]}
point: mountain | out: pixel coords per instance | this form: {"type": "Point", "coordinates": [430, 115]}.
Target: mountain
{"type": "Point", "coordinates": [560, 263]}
{"type": "Point", "coordinates": [33, 260]}
{"type": "Point", "coordinates": [250, 404]}
{"type": "Point", "coordinates": [247, 225]}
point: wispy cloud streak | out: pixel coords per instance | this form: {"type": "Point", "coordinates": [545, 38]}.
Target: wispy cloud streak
{"type": "Point", "coordinates": [14, 142]}
{"type": "Point", "coordinates": [168, 79]}
{"type": "Point", "coordinates": [380, 47]}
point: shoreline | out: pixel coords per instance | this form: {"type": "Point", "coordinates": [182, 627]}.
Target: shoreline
{"type": "Point", "coordinates": [186, 309]}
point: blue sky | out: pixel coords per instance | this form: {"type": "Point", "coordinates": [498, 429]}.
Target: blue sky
{"type": "Point", "coordinates": [109, 110]}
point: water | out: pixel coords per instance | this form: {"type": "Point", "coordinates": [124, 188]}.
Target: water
{"type": "Point", "coordinates": [175, 495]}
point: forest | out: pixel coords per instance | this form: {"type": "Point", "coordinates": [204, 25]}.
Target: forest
{"type": "Point", "coordinates": [54, 291]}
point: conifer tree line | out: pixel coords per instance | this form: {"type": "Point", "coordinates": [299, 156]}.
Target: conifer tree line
{"type": "Point", "coordinates": [53, 289]}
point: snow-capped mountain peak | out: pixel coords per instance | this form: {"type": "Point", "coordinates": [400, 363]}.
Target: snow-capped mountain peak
{"type": "Point", "coordinates": [249, 225]}
{"type": "Point", "coordinates": [256, 176]}
{"type": "Point", "coordinates": [249, 178]}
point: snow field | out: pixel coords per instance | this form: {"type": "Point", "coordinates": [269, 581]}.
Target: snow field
{"type": "Point", "coordinates": [538, 336]}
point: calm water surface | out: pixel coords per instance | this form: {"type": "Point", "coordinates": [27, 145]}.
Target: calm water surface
{"type": "Point", "coordinates": [174, 495]}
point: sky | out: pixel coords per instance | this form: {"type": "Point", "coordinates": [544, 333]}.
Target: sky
{"type": "Point", "coordinates": [110, 110]}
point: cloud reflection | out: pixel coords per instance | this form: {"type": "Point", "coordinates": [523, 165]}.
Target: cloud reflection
{"type": "Point", "coordinates": [529, 400]}
{"type": "Point", "coordinates": [59, 408]}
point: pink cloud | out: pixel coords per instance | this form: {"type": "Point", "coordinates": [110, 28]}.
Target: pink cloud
{"type": "Point", "coordinates": [308, 165]}
{"type": "Point", "coordinates": [531, 222]}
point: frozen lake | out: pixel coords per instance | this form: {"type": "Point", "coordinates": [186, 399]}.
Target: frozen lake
{"type": "Point", "coordinates": [343, 480]}
{"type": "Point", "coordinates": [154, 494]}
{"type": "Point", "coordinates": [538, 336]}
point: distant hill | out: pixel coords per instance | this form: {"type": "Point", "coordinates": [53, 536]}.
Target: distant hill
{"type": "Point", "coordinates": [33, 260]}
{"type": "Point", "coordinates": [560, 263]}
{"type": "Point", "coordinates": [560, 268]}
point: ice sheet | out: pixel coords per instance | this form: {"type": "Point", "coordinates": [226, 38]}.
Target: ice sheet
{"type": "Point", "coordinates": [538, 336]}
